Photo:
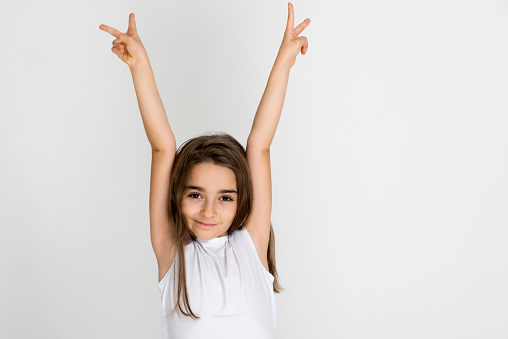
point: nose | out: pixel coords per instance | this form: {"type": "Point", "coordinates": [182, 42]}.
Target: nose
{"type": "Point", "coordinates": [208, 210]}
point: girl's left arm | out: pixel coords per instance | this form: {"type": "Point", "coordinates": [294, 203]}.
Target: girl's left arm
{"type": "Point", "coordinates": [270, 108]}
{"type": "Point", "coordinates": [263, 130]}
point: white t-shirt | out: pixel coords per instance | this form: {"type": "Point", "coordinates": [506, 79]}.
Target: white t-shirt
{"type": "Point", "coordinates": [228, 287]}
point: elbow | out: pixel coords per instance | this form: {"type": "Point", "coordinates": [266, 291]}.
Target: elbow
{"type": "Point", "coordinates": [256, 145]}
{"type": "Point", "coordinates": [168, 149]}
{"type": "Point", "coordinates": [168, 146]}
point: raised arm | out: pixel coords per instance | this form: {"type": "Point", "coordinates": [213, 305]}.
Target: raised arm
{"type": "Point", "coordinates": [128, 47]}
{"type": "Point", "coordinates": [263, 129]}
{"type": "Point", "coordinates": [270, 108]}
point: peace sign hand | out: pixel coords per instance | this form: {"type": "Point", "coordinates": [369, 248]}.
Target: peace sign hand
{"type": "Point", "coordinates": [128, 45]}
{"type": "Point", "coordinates": [292, 44]}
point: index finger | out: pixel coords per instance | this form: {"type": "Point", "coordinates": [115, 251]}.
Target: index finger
{"type": "Point", "coordinates": [291, 19]}
{"type": "Point", "coordinates": [132, 22]}
{"type": "Point", "coordinates": [116, 33]}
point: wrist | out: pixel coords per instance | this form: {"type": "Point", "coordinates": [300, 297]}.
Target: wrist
{"type": "Point", "coordinates": [140, 64]}
{"type": "Point", "coordinates": [283, 63]}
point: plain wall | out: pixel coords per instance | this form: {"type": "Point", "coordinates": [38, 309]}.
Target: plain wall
{"type": "Point", "coordinates": [389, 164]}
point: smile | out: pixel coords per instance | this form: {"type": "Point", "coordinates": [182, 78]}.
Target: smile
{"type": "Point", "coordinates": [205, 225]}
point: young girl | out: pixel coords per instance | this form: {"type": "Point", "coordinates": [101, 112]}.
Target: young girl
{"type": "Point", "coordinates": [210, 207]}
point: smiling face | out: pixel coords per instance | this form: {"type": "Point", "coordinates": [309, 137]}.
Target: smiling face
{"type": "Point", "coordinates": [210, 198]}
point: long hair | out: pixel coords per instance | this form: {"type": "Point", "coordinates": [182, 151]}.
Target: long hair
{"type": "Point", "coordinates": [219, 149]}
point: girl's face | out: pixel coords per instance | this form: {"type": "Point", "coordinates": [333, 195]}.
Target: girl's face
{"type": "Point", "coordinates": [210, 197]}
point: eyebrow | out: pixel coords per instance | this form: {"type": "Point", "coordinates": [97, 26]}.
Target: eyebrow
{"type": "Point", "coordinates": [197, 188]}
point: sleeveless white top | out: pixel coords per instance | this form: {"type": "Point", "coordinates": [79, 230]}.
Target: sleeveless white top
{"type": "Point", "coordinates": [228, 287]}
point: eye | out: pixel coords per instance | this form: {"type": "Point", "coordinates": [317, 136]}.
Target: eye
{"type": "Point", "coordinates": [197, 194]}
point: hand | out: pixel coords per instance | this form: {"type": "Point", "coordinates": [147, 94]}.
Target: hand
{"type": "Point", "coordinates": [127, 45]}
{"type": "Point", "coordinates": [292, 44]}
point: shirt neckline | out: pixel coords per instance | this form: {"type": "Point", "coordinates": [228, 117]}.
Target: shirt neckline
{"type": "Point", "coordinates": [216, 240]}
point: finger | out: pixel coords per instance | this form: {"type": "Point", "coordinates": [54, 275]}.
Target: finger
{"type": "Point", "coordinates": [291, 20]}
{"type": "Point", "coordinates": [115, 50]}
{"type": "Point", "coordinates": [132, 24]}
{"type": "Point", "coordinates": [302, 26]}
{"type": "Point", "coordinates": [118, 45]}
{"type": "Point", "coordinates": [110, 30]}
{"type": "Point", "coordinates": [305, 44]}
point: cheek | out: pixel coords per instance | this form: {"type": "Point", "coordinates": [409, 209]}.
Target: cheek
{"type": "Point", "coordinates": [187, 209]}
{"type": "Point", "coordinates": [233, 210]}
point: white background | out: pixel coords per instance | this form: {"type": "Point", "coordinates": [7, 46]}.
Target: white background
{"type": "Point", "coordinates": [389, 165]}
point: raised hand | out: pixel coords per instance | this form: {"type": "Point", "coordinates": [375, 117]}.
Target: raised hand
{"type": "Point", "coordinates": [292, 44]}
{"type": "Point", "coordinates": [127, 46]}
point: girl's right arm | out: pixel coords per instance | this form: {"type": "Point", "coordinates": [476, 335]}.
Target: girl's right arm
{"type": "Point", "coordinates": [128, 47]}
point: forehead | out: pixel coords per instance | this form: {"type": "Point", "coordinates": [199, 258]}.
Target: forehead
{"type": "Point", "coordinates": [211, 176]}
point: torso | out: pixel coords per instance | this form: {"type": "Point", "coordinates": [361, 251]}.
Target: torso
{"type": "Point", "coordinates": [262, 253]}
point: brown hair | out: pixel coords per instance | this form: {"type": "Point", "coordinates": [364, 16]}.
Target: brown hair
{"type": "Point", "coordinates": [219, 149]}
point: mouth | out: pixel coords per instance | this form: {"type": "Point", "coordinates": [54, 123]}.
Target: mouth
{"type": "Point", "coordinates": [205, 225]}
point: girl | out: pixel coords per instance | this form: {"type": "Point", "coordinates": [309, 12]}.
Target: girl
{"type": "Point", "coordinates": [210, 207]}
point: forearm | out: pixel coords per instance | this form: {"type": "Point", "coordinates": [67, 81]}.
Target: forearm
{"type": "Point", "coordinates": [270, 108]}
{"type": "Point", "coordinates": [154, 117]}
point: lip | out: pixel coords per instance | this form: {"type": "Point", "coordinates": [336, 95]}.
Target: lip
{"type": "Point", "coordinates": [205, 225]}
